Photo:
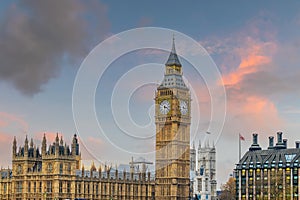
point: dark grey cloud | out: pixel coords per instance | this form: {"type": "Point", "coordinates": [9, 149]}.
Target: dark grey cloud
{"type": "Point", "coordinates": [38, 37]}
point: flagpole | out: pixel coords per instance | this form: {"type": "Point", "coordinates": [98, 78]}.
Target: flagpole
{"type": "Point", "coordinates": [239, 147]}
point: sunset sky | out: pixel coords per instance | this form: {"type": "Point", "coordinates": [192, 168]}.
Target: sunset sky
{"type": "Point", "coordinates": [255, 46]}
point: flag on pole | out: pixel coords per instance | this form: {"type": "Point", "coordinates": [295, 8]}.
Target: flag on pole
{"type": "Point", "coordinates": [242, 138]}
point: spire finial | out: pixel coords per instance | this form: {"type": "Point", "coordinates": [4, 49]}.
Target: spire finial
{"type": "Point", "coordinates": [61, 140]}
{"type": "Point", "coordinates": [173, 45]}
{"type": "Point", "coordinates": [57, 138]}
{"type": "Point", "coordinates": [173, 58]}
{"type": "Point", "coordinates": [31, 143]}
{"type": "Point", "coordinates": [26, 140]}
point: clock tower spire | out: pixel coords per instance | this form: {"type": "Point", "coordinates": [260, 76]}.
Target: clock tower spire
{"type": "Point", "coordinates": [172, 119]}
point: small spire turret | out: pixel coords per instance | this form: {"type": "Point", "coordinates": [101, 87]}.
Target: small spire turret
{"type": "Point", "coordinates": [14, 147]}
{"type": "Point", "coordinates": [44, 145]}
{"type": "Point", "coordinates": [61, 141]}
{"type": "Point", "coordinates": [31, 143]}
{"type": "Point", "coordinates": [57, 139]}
{"type": "Point", "coordinates": [26, 147]}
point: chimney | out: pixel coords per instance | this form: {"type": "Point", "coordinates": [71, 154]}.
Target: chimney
{"type": "Point", "coordinates": [285, 143]}
{"type": "Point", "coordinates": [279, 137]}
{"type": "Point", "coordinates": [255, 138]}
{"type": "Point", "coordinates": [280, 143]}
{"type": "Point", "coordinates": [271, 142]}
{"type": "Point", "coordinates": [298, 144]}
{"type": "Point", "coordinates": [255, 146]}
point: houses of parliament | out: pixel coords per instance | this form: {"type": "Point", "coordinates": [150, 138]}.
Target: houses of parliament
{"type": "Point", "coordinates": [55, 170]}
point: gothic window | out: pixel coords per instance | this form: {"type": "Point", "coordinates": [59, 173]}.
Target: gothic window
{"type": "Point", "coordinates": [49, 186]}
{"type": "Point", "coordinates": [199, 184]}
{"type": "Point", "coordinates": [79, 188]}
{"type": "Point", "coordinates": [97, 189]}
{"type": "Point", "coordinates": [29, 187]}
{"type": "Point", "coordinates": [61, 168]}
{"type": "Point", "coordinates": [4, 188]}
{"type": "Point", "coordinates": [40, 187]}
{"type": "Point", "coordinates": [34, 187]}
{"type": "Point", "coordinates": [69, 168]}
{"type": "Point", "coordinates": [60, 186]}
{"type": "Point", "coordinates": [19, 186]}
{"type": "Point", "coordinates": [68, 187]}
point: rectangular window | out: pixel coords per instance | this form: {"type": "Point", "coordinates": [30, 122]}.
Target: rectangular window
{"type": "Point", "coordinates": [60, 187]}
{"type": "Point", "coordinates": [19, 186]}
{"type": "Point", "coordinates": [61, 168]}
{"type": "Point", "coordinates": [40, 187]}
{"type": "Point", "coordinates": [34, 187]}
{"type": "Point", "coordinates": [4, 187]}
{"type": "Point", "coordinates": [97, 189]}
{"type": "Point", "coordinates": [68, 188]}
{"type": "Point", "coordinates": [49, 186]}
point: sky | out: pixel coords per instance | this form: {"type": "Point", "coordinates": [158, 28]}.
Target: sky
{"type": "Point", "coordinates": [254, 46]}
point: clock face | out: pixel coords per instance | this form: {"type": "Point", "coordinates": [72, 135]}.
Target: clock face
{"type": "Point", "coordinates": [183, 107]}
{"type": "Point", "coordinates": [164, 107]}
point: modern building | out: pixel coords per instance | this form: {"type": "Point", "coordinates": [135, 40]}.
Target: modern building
{"type": "Point", "coordinates": [203, 182]}
{"type": "Point", "coordinates": [272, 173]}
{"type": "Point", "coordinates": [172, 119]}
{"type": "Point", "coordinates": [55, 172]}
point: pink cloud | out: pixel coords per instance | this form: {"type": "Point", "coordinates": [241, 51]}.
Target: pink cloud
{"type": "Point", "coordinates": [3, 123]}
{"type": "Point", "coordinates": [254, 56]}
{"type": "Point", "coordinates": [7, 119]}
{"type": "Point", "coordinates": [5, 138]}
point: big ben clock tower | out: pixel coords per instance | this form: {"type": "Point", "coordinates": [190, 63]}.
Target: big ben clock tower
{"type": "Point", "coordinates": [172, 119]}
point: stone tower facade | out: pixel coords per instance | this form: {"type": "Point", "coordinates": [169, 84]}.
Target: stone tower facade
{"type": "Point", "coordinates": [204, 183]}
{"type": "Point", "coordinates": [172, 118]}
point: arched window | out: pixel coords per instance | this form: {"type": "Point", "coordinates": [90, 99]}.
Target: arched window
{"type": "Point", "coordinates": [61, 168]}
{"type": "Point", "coordinates": [69, 168]}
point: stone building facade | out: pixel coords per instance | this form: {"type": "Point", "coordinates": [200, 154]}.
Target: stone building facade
{"type": "Point", "coordinates": [55, 172]}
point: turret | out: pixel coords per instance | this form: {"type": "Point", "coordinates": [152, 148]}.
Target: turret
{"type": "Point", "coordinates": [57, 145]}
{"type": "Point", "coordinates": [82, 170]}
{"type": "Point", "coordinates": [66, 149]}
{"type": "Point", "coordinates": [61, 141]}
{"type": "Point", "coordinates": [26, 147]}
{"type": "Point", "coordinates": [75, 146]}
{"type": "Point", "coordinates": [14, 147]}
{"type": "Point", "coordinates": [31, 143]}
{"type": "Point", "coordinates": [116, 173]}
{"type": "Point", "coordinates": [44, 145]}
{"type": "Point", "coordinates": [193, 158]}
{"type": "Point", "coordinates": [34, 152]}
